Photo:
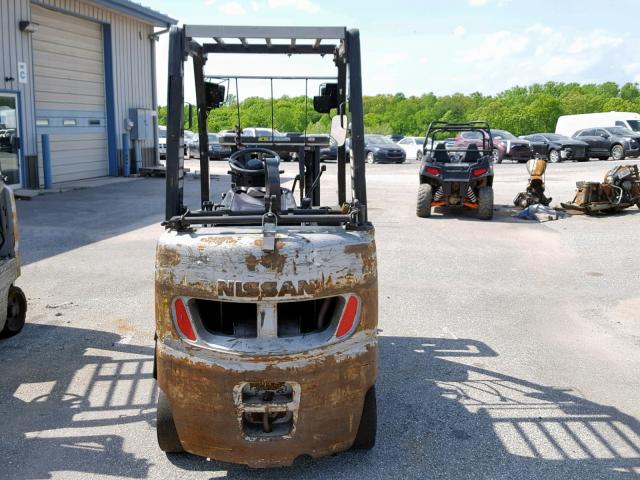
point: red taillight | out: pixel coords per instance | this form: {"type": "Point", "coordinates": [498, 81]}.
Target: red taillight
{"type": "Point", "coordinates": [479, 171]}
{"type": "Point", "coordinates": [182, 320]}
{"type": "Point", "coordinates": [348, 317]}
{"type": "Point", "coordinates": [433, 171]}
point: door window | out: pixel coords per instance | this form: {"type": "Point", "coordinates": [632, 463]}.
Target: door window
{"type": "Point", "coordinates": [9, 139]}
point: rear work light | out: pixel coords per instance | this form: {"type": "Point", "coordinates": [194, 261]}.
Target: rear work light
{"type": "Point", "coordinates": [433, 171]}
{"type": "Point", "coordinates": [348, 318]}
{"type": "Point", "coordinates": [182, 320]}
{"type": "Point", "coordinates": [476, 172]}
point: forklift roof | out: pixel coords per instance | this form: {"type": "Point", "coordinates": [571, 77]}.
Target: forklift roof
{"type": "Point", "coordinates": [235, 39]}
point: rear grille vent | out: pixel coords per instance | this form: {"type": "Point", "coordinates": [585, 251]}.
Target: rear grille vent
{"type": "Point", "coordinates": [232, 319]}
{"type": "Point", "coordinates": [309, 316]}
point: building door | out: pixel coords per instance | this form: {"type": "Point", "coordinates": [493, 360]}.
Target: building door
{"type": "Point", "coordinates": [68, 65]}
{"type": "Point", "coordinates": [10, 138]}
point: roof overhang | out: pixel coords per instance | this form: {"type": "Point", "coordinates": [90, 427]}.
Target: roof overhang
{"type": "Point", "coordinates": [138, 11]}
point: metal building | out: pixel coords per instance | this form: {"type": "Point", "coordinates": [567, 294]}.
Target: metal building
{"type": "Point", "coordinates": [81, 72]}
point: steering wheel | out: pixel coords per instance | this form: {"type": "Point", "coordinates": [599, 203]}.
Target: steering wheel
{"type": "Point", "coordinates": [241, 162]}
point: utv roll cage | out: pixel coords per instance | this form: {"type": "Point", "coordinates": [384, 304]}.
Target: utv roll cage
{"type": "Point", "coordinates": [438, 128]}
{"type": "Point", "coordinates": [344, 47]}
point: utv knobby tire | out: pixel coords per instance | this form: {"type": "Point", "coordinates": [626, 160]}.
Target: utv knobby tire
{"type": "Point", "coordinates": [366, 436]}
{"type": "Point", "coordinates": [168, 439]}
{"type": "Point", "coordinates": [485, 203]}
{"type": "Point", "coordinates": [617, 152]}
{"type": "Point", "coordinates": [16, 312]}
{"type": "Point", "coordinates": [425, 193]}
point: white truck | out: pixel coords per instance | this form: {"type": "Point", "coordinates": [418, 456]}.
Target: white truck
{"type": "Point", "coordinates": [569, 124]}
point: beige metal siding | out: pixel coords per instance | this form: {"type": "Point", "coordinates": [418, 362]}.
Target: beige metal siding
{"type": "Point", "coordinates": [68, 61]}
{"type": "Point", "coordinates": [133, 73]}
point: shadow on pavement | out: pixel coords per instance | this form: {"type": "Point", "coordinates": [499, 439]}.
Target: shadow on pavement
{"type": "Point", "coordinates": [67, 395]}
{"type": "Point", "coordinates": [438, 418]}
{"type": "Point", "coordinates": [76, 400]}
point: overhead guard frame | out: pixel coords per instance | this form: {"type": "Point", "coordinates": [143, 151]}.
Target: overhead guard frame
{"type": "Point", "coordinates": [182, 44]}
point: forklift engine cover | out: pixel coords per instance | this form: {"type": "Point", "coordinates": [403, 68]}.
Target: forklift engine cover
{"type": "Point", "coordinates": [269, 340]}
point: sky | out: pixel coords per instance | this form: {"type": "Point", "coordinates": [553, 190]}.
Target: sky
{"type": "Point", "coordinates": [416, 47]}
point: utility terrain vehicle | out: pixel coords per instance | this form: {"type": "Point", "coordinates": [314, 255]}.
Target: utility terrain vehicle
{"type": "Point", "coordinates": [13, 303]}
{"type": "Point", "coordinates": [266, 302]}
{"type": "Point", "coordinates": [456, 175]}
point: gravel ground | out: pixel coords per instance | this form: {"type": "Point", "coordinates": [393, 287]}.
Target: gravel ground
{"type": "Point", "coordinates": [508, 349]}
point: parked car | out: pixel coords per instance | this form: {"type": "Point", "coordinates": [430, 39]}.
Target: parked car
{"type": "Point", "coordinates": [615, 142]}
{"type": "Point", "coordinates": [558, 148]}
{"type": "Point", "coordinates": [189, 137]}
{"type": "Point", "coordinates": [216, 151]}
{"type": "Point", "coordinates": [380, 149]}
{"type": "Point", "coordinates": [506, 146]}
{"type": "Point", "coordinates": [330, 152]}
{"type": "Point", "coordinates": [569, 124]}
{"type": "Point", "coordinates": [412, 147]}
{"type": "Point", "coordinates": [162, 143]}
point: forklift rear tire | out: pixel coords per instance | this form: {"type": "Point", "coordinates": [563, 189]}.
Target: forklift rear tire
{"type": "Point", "coordinates": [425, 193]}
{"type": "Point", "coordinates": [485, 203]}
{"type": "Point", "coordinates": [16, 312]}
{"type": "Point", "coordinates": [168, 439]}
{"type": "Point", "coordinates": [366, 436]}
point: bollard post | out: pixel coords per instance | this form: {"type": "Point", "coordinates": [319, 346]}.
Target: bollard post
{"type": "Point", "coordinates": [125, 154]}
{"type": "Point", "coordinates": [138, 149]}
{"type": "Point", "coordinates": [46, 161]}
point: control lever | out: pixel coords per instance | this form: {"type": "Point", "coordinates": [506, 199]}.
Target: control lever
{"type": "Point", "coordinates": [295, 182]}
{"type": "Point", "coordinates": [315, 183]}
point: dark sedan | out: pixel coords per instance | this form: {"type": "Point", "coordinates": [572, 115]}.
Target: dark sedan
{"type": "Point", "coordinates": [216, 151]}
{"type": "Point", "coordinates": [615, 142]}
{"type": "Point", "coordinates": [381, 149]}
{"type": "Point", "coordinates": [330, 152]}
{"type": "Point", "coordinates": [558, 148]}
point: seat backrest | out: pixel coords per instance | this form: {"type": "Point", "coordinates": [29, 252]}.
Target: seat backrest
{"type": "Point", "coordinates": [472, 155]}
{"type": "Point", "coordinates": [440, 153]}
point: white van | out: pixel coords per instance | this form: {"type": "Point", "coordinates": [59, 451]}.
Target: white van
{"type": "Point", "coordinates": [570, 124]}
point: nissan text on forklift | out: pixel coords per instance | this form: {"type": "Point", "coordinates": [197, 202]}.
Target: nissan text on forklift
{"type": "Point", "coordinates": [266, 302]}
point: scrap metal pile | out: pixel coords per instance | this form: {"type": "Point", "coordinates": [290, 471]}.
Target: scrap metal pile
{"type": "Point", "coordinates": [620, 190]}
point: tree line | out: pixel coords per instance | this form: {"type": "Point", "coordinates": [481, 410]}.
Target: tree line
{"type": "Point", "coordinates": [520, 110]}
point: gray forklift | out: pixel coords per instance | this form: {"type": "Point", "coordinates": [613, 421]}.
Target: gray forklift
{"type": "Point", "coordinates": [267, 300]}
{"type": "Point", "coordinates": [13, 303]}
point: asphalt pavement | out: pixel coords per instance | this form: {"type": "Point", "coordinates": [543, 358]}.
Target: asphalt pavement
{"type": "Point", "coordinates": [509, 349]}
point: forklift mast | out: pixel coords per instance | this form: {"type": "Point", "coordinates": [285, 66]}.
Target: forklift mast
{"type": "Point", "coordinates": [341, 44]}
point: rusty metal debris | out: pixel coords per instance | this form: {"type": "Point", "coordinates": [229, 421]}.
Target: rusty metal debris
{"type": "Point", "coordinates": [534, 194]}
{"type": "Point", "coordinates": [619, 190]}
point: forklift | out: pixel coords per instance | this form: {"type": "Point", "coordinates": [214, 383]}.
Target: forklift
{"type": "Point", "coordinates": [13, 302]}
{"type": "Point", "coordinates": [267, 300]}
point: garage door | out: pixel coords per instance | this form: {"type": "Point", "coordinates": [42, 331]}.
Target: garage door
{"type": "Point", "coordinates": [69, 84]}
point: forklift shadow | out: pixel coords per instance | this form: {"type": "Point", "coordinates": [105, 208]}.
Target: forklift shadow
{"type": "Point", "coordinates": [67, 397]}
{"type": "Point", "coordinates": [443, 414]}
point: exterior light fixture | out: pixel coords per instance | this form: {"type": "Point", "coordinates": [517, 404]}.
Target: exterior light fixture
{"type": "Point", "coordinates": [28, 27]}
